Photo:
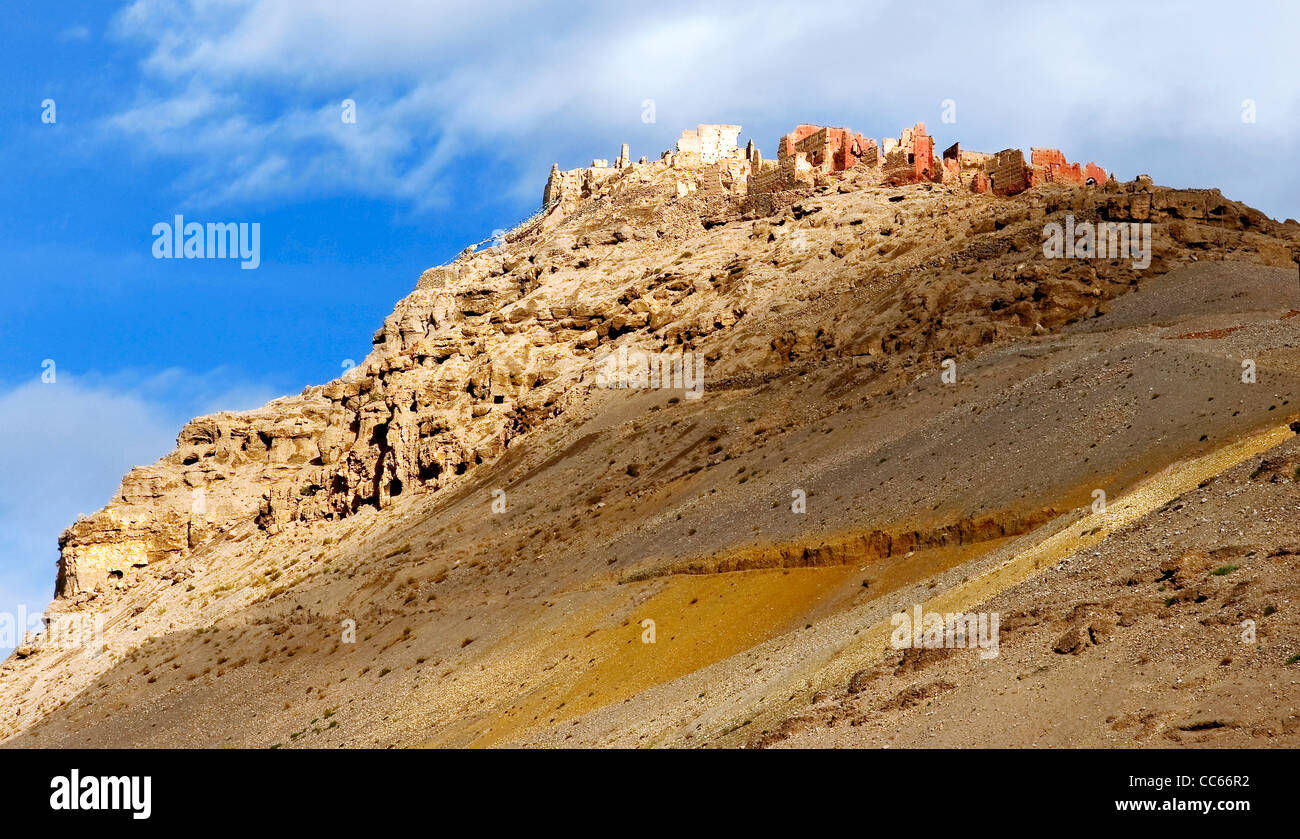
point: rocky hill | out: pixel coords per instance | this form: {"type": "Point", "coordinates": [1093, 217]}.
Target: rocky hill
{"type": "Point", "coordinates": [473, 538]}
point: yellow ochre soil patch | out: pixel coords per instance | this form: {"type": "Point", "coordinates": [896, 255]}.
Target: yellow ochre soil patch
{"type": "Point", "coordinates": [700, 619]}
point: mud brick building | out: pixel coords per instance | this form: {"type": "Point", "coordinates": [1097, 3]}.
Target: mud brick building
{"type": "Point", "coordinates": [828, 149]}
{"type": "Point", "coordinates": [708, 144]}
{"type": "Point", "coordinates": [910, 159]}
{"type": "Point", "coordinates": [708, 162]}
{"type": "Point", "coordinates": [1007, 172]}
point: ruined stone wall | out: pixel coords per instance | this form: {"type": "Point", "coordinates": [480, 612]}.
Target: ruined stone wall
{"type": "Point", "coordinates": [708, 144]}
{"type": "Point", "coordinates": [828, 149]}
{"type": "Point", "coordinates": [912, 160]}
{"type": "Point", "coordinates": [1050, 166]}
{"type": "Point", "coordinates": [809, 151]}
{"type": "Point", "coordinates": [1007, 172]}
{"type": "Point", "coordinates": [560, 184]}
{"type": "Point", "coordinates": [869, 153]}
{"type": "Point", "coordinates": [714, 165]}
{"type": "Point", "coordinates": [789, 172]}
{"type": "Point", "coordinates": [564, 189]}
{"type": "Point", "coordinates": [816, 148]}
{"type": "Point", "coordinates": [1096, 174]}
{"type": "Point", "coordinates": [721, 180]}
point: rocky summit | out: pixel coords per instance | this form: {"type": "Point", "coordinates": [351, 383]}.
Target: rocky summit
{"type": "Point", "coordinates": [681, 459]}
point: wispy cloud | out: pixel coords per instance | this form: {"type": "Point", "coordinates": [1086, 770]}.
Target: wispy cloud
{"type": "Point", "coordinates": [249, 90]}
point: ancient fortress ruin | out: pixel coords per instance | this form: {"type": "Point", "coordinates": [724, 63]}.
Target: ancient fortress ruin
{"type": "Point", "coordinates": [709, 161]}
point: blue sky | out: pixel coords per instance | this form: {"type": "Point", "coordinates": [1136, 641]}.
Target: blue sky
{"type": "Point", "coordinates": [229, 110]}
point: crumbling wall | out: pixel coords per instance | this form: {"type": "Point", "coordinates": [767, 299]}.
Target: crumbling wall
{"type": "Point", "coordinates": [712, 164]}
{"type": "Point", "coordinates": [828, 149]}
{"type": "Point", "coordinates": [1007, 172]}
{"type": "Point", "coordinates": [809, 151]}
{"type": "Point", "coordinates": [911, 161]}
{"type": "Point", "coordinates": [560, 184]}
{"type": "Point", "coordinates": [952, 164]}
{"type": "Point", "coordinates": [1094, 174]}
{"type": "Point", "coordinates": [708, 144]}
{"type": "Point", "coordinates": [790, 172]}
{"type": "Point", "coordinates": [1050, 166]}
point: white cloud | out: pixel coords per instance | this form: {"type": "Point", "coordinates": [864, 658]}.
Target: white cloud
{"type": "Point", "coordinates": [249, 90]}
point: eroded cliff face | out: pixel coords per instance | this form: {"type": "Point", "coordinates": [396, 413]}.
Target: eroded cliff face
{"type": "Point", "coordinates": [494, 345]}
{"type": "Point", "coordinates": [443, 391]}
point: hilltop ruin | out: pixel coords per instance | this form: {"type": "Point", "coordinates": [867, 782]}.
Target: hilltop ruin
{"type": "Point", "coordinates": [708, 160]}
